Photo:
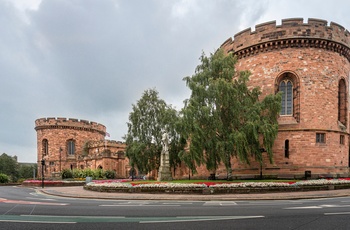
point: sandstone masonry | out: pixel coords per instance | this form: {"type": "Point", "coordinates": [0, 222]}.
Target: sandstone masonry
{"type": "Point", "coordinates": [310, 63]}
{"type": "Point", "coordinates": [72, 143]}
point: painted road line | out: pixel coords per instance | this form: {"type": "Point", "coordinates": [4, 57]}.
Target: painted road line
{"type": "Point", "coordinates": [219, 203]}
{"type": "Point", "coordinates": [337, 213]}
{"type": "Point", "coordinates": [115, 219]}
{"type": "Point", "coordinates": [137, 205]}
{"type": "Point", "coordinates": [198, 218]}
{"type": "Point", "coordinates": [31, 202]}
{"type": "Point", "coordinates": [305, 207]}
{"type": "Point", "coordinates": [320, 206]}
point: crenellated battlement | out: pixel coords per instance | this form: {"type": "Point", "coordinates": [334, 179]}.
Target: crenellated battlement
{"type": "Point", "coordinates": [292, 32]}
{"type": "Point", "coordinates": [69, 123]}
{"type": "Point", "coordinates": [107, 143]}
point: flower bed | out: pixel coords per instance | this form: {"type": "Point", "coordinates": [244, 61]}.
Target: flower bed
{"type": "Point", "coordinates": [218, 188]}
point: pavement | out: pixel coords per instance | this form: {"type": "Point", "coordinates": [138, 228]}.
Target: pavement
{"type": "Point", "coordinates": [80, 192]}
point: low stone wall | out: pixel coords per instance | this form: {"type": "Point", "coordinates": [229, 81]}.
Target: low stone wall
{"type": "Point", "coordinates": [208, 191]}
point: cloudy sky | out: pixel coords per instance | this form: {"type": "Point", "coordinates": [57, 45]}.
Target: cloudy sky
{"type": "Point", "coordinates": [93, 59]}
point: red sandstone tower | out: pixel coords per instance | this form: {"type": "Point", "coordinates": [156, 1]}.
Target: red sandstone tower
{"type": "Point", "coordinates": [310, 64]}
{"type": "Point", "coordinates": [72, 143]}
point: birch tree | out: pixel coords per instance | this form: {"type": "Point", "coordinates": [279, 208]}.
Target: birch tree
{"type": "Point", "coordinates": [224, 117]}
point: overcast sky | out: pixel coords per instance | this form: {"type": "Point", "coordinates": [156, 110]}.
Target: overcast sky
{"type": "Point", "coordinates": [93, 59]}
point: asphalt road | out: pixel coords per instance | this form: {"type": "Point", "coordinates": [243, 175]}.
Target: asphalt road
{"type": "Point", "coordinates": [25, 208]}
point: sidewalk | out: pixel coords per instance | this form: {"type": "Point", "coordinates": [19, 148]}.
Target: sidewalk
{"type": "Point", "coordinates": [80, 192]}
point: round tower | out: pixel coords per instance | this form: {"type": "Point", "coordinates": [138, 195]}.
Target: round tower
{"type": "Point", "coordinates": [309, 63]}
{"type": "Point", "coordinates": [60, 142]}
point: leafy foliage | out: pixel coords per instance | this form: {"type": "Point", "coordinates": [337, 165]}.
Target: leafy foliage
{"type": "Point", "coordinates": [4, 178]}
{"type": "Point", "coordinates": [224, 118]}
{"type": "Point", "coordinates": [83, 173]}
{"type": "Point", "coordinates": [26, 171]}
{"type": "Point", "coordinates": [9, 166]}
{"type": "Point", "coordinates": [110, 174]}
{"type": "Point", "coordinates": [67, 173]}
{"type": "Point", "coordinates": [149, 119]}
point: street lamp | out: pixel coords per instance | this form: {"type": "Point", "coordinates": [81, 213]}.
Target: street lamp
{"type": "Point", "coordinates": [42, 172]}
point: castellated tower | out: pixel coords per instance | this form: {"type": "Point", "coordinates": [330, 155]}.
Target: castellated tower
{"type": "Point", "coordinates": [310, 64]}
{"type": "Point", "coordinates": [72, 143]}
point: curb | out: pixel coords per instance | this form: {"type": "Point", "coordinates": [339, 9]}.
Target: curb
{"type": "Point", "coordinates": [79, 193]}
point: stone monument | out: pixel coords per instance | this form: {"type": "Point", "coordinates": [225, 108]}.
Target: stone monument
{"type": "Point", "coordinates": [164, 173]}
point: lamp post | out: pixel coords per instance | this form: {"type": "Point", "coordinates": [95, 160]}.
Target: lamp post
{"type": "Point", "coordinates": [42, 172]}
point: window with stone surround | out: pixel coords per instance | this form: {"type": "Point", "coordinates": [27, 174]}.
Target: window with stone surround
{"type": "Point", "coordinates": [320, 138]}
{"type": "Point", "coordinates": [342, 110]}
{"type": "Point", "coordinates": [288, 84]}
{"type": "Point", "coordinates": [45, 147]}
{"type": "Point", "coordinates": [71, 147]}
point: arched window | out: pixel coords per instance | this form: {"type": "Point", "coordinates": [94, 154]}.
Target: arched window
{"type": "Point", "coordinates": [342, 110]}
{"type": "Point", "coordinates": [286, 87]}
{"type": "Point", "coordinates": [45, 147]}
{"type": "Point", "coordinates": [71, 147]}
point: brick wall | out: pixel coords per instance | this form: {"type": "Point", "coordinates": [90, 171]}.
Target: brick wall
{"type": "Point", "coordinates": [318, 56]}
{"type": "Point", "coordinates": [105, 154]}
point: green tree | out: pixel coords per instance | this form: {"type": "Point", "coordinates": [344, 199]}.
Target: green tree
{"type": "Point", "coordinates": [224, 117]}
{"type": "Point", "coordinates": [9, 166]}
{"type": "Point", "coordinates": [27, 171]}
{"type": "Point", "coordinates": [149, 119]}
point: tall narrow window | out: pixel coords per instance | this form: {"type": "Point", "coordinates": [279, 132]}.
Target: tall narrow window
{"type": "Point", "coordinates": [71, 147]}
{"type": "Point", "coordinates": [286, 148]}
{"type": "Point", "coordinates": [342, 102]}
{"type": "Point", "coordinates": [286, 87]}
{"type": "Point", "coordinates": [342, 139]}
{"type": "Point", "coordinates": [45, 147]}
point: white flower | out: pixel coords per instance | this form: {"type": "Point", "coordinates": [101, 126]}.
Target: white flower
{"type": "Point", "coordinates": [110, 185]}
{"type": "Point", "coordinates": [221, 185]}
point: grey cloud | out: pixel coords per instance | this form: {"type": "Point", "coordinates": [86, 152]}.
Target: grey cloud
{"type": "Point", "coordinates": [92, 59]}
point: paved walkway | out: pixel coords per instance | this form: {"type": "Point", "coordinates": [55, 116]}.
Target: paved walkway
{"type": "Point", "coordinates": [80, 192]}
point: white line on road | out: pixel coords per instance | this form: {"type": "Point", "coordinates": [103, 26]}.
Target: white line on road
{"type": "Point", "coordinates": [220, 203]}
{"type": "Point", "coordinates": [137, 205]}
{"type": "Point", "coordinates": [306, 207]}
{"type": "Point", "coordinates": [337, 213]}
{"type": "Point", "coordinates": [199, 218]}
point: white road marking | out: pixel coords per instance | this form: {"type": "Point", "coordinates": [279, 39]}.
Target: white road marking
{"type": "Point", "coordinates": [220, 203]}
{"type": "Point", "coordinates": [306, 207]}
{"type": "Point", "coordinates": [337, 213]}
{"type": "Point", "coordinates": [200, 218]}
{"type": "Point", "coordinates": [41, 222]}
{"type": "Point", "coordinates": [137, 205]}
{"type": "Point", "coordinates": [320, 206]}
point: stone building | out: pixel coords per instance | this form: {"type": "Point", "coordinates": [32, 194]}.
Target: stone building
{"type": "Point", "coordinates": [310, 63]}
{"type": "Point", "coordinates": [72, 143]}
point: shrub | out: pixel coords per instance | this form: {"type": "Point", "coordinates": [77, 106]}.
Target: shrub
{"type": "Point", "coordinates": [4, 178]}
{"type": "Point", "coordinates": [88, 173]}
{"type": "Point", "coordinates": [79, 173]}
{"type": "Point", "coordinates": [98, 174]}
{"type": "Point", "coordinates": [67, 173]}
{"type": "Point", "coordinates": [110, 174]}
